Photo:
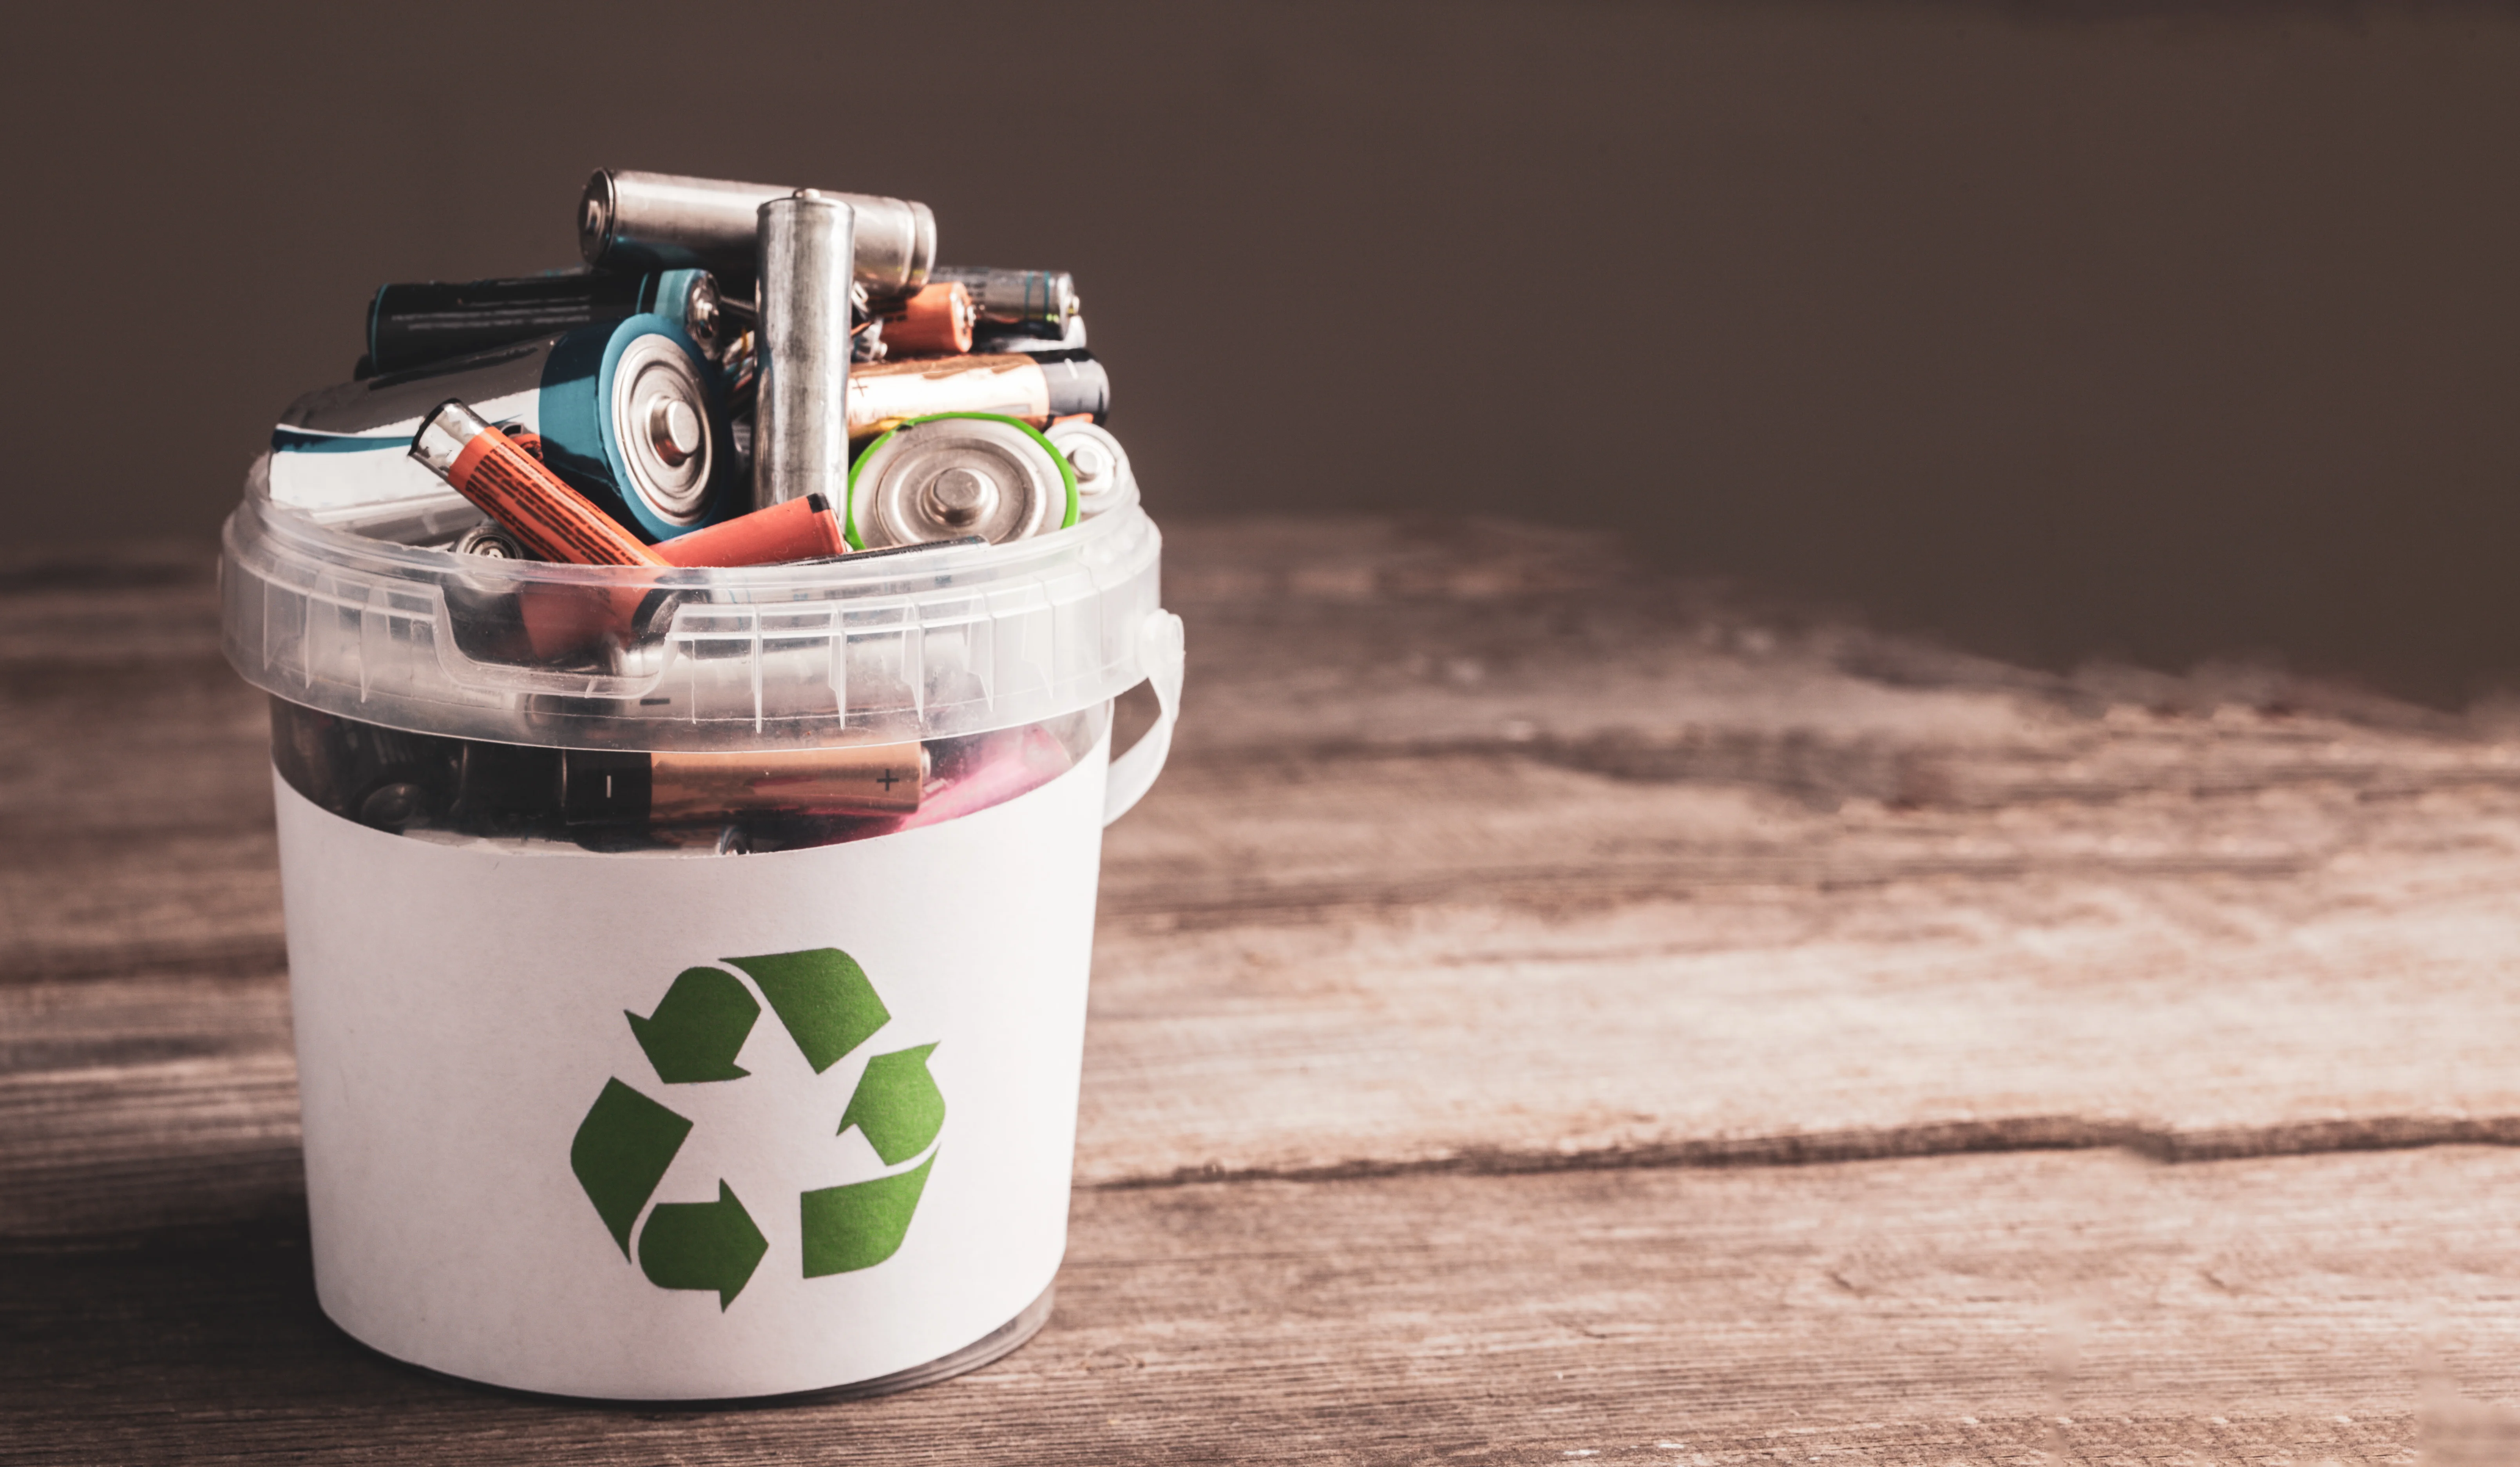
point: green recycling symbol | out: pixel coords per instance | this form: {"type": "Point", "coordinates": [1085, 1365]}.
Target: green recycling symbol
{"type": "Point", "coordinates": [627, 1140]}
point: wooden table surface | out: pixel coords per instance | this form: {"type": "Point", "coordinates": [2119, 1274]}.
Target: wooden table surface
{"type": "Point", "coordinates": [1542, 1014]}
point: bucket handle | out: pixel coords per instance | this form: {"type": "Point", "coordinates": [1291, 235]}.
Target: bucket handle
{"type": "Point", "coordinates": [1133, 774]}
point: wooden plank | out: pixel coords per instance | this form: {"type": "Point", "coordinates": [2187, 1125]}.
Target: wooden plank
{"type": "Point", "coordinates": [1477, 856]}
{"type": "Point", "coordinates": [1968, 1309]}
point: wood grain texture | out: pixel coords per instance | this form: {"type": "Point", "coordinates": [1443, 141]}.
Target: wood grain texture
{"type": "Point", "coordinates": [1498, 906]}
{"type": "Point", "coordinates": [1971, 1309]}
{"type": "Point", "coordinates": [1478, 852]}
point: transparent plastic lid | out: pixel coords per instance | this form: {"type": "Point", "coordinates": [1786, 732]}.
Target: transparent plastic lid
{"type": "Point", "coordinates": [910, 644]}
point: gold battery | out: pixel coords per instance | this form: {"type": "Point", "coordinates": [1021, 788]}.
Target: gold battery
{"type": "Point", "coordinates": [1035, 387]}
{"type": "Point", "coordinates": [859, 779]}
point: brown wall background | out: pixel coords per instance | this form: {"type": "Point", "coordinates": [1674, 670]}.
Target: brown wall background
{"type": "Point", "coordinates": [2155, 330]}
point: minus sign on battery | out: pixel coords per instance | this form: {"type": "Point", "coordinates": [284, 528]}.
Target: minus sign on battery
{"type": "Point", "coordinates": [654, 702]}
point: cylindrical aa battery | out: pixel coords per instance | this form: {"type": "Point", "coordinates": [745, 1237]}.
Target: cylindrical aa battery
{"type": "Point", "coordinates": [936, 322]}
{"type": "Point", "coordinates": [605, 788]}
{"type": "Point", "coordinates": [1033, 297]}
{"type": "Point", "coordinates": [798, 529]}
{"type": "Point", "coordinates": [549, 520]}
{"type": "Point", "coordinates": [1036, 387]}
{"type": "Point", "coordinates": [650, 221]}
{"type": "Point", "coordinates": [1029, 336]}
{"type": "Point", "coordinates": [800, 436]}
{"type": "Point", "coordinates": [415, 323]}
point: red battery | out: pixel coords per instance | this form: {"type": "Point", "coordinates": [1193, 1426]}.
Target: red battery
{"type": "Point", "coordinates": [551, 520]}
{"type": "Point", "coordinates": [935, 321]}
{"type": "Point", "coordinates": [794, 530]}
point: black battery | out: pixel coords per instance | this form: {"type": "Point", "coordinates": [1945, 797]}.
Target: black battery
{"type": "Point", "coordinates": [419, 322]}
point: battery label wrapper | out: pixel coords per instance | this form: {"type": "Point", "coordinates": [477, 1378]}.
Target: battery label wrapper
{"type": "Point", "coordinates": [795, 529]}
{"type": "Point", "coordinates": [342, 454]}
{"type": "Point", "coordinates": [1012, 387]}
{"type": "Point", "coordinates": [460, 1015]}
{"type": "Point", "coordinates": [554, 522]}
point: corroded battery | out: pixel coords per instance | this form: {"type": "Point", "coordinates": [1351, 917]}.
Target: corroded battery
{"type": "Point", "coordinates": [625, 413]}
{"type": "Point", "coordinates": [656, 221]}
{"type": "Point", "coordinates": [1036, 387]}
{"type": "Point", "coordinates": [962, 473]}
{"type": "Point", "coordinates": [415, 323]}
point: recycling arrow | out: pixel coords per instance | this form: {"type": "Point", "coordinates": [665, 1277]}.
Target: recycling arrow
{"type": "Point", "coordinates": [620, 1153]}
{"type": "Point", "coordinates": [824, 998]}
{"type": "Point", "coordinates": [862, 1224]}
{"type": "Point", "coordinates": [897, 1104]}
{"type": "Point", "coordinates": [627, 1143]}
{"type": "Point", "coordinates": [699, 1028]}
{"type": "Point", "coordinates": [701, 1245]}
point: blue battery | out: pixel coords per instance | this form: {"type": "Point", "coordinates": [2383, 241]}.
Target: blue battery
{"type": "Point", "coordinates": [629, 413]}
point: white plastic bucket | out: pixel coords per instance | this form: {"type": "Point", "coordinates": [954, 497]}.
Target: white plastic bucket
{"type": "Point", "coordinates": [676, 1123]}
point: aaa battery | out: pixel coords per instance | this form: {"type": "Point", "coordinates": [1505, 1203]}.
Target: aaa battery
{"type": "Point", "coordinates": [549, 520]}
{"type": "Point", "coordinates": [605, 788]}
{"type": "Point", "coordinates": [1036, 387]}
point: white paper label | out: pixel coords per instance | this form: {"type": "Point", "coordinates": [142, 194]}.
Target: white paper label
{"type": "Point", "coordinates": [530, 1158]}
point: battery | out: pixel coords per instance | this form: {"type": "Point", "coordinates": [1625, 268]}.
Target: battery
{"type": "Point", "coordinates": [625, 411]}
{"type": "Point", "coordinates": [1028, 336]}
{"type": "Point", "coordinates": [1033, 386]}
{"type": "Point", "coordinates": [1104, 479]}
{"type": "Point", "coordinates": [633, 789]}
{"type": "Point", "coordinates": [550, 520]}
{"type": "Point", "coordinates": [1045, 298]}
{"type": "Point", "coordinates": [797, 529]}
{"type": "Point", "coordinates": [800, 438]}
{"type": "Point", "coordinates": [936, 322]}
{"type": "Point", "coordinates": [660, 221]}
{"type": "Point", "coordinates": [961, 474]}
{"type": "Point", "coordinates": [491, 542]}
{"type": "Point", "coordinates": [412, 324]}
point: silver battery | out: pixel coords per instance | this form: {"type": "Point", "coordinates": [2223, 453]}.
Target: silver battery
{"type": "Point", "coordinates": [950, 477]}
{"type": "Point", "coordinates": [493, 541]}
{"type": "Point", "coordinates": [1032, 297]}
{"type": "Point", "coordinates": [800, 437]}
{"type": "Point", "coordinates": [1103, 476]}
{"type": "Point", "coordinates": [644, 221]}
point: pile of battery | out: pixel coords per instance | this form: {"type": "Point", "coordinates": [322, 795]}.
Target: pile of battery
{"type": "Point", "coordinates": [738, 374]}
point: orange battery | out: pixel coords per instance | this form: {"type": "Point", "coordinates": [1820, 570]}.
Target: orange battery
{"type": "Point", "coordinates": [549, 520]}
{"type": "Point", "coordinates": [794, 530]}
{"type": "Point", "coordinates": [936, 321]}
